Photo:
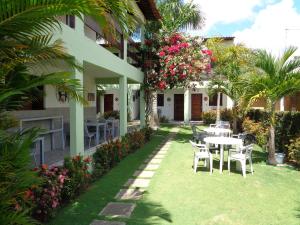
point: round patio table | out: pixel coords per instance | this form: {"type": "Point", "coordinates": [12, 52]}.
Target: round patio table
{"type": "Point", "coordinates": [223, 141]}
{"type": "Point", "coordinates": [217, 131]}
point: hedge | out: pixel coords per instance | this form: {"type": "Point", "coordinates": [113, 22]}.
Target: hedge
{"type": "Point", "coordinates": [287, 126]}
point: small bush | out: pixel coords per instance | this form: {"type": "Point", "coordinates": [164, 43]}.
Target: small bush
{"type": "Point", "coordinates": [294, 150]}
{"type": "Point", "coordinates": [111, 114]}
{"type": "Point", "coordinates": [257, 129]}
{"type": "Point", "coordinates": [163, 119]}
{"type": "Point", "coordinates": [147, 132]}
{"type": "Point", "coordinates": [209, 117]}
{"type": "Point", "coordinates": [136, 140]}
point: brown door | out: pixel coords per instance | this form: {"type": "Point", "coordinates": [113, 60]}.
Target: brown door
{"type": "Point", "coordinates": [196, 107]}
{"type": "Point", "coordinates": [108, 102]}
{"type": "Point", "coordinates": [178, 107]}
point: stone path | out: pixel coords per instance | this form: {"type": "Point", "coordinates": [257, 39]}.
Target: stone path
{"type": "Point", "coordinates": [136, 186]}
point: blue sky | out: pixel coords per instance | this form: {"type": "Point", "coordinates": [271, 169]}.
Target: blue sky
{"type": "Point", "coordinates": [256, 23]}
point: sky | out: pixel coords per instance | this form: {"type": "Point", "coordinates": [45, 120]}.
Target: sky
{"type": "Point", "coordinates": [266, 24]}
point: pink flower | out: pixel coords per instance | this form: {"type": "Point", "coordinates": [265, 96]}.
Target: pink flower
{"type": "Point", "coordinates": [162, 85]}
{"type": "Point", "coordinates": [162, 54]}
{"type": "Point", "coordinates": [207, 52]}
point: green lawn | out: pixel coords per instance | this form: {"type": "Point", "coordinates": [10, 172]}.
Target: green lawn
{"type": "Point", "coordinates": [178, 196]}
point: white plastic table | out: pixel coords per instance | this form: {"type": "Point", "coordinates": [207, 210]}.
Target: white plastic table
{"type": "Point", "coordinates": [223, 141]}
{"type": "Point", "coordinates": [217, 131]}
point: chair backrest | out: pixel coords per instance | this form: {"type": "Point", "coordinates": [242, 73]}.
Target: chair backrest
{"type": "Point", "coordinates": [223, 124]}
{"type": "Point", "coordinates": [247, 149]}
{"type": "Point", "coordinates": [199, 147]}
{"type": "Point", "coordinates": [194, 130]}
{"type": "Point", "coordinates": [86, 130]}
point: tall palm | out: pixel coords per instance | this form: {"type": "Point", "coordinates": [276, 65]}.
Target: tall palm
{"type": "Point", "coordinates": [179, 15]}
{"type": "Point", "coordinates": [232, 63]}
{"type": "Point", "coordinates": [276, 77]}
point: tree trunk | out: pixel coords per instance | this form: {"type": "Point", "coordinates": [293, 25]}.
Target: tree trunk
{"type": "Point", "coordinates": [271, 152]}
{"type": "Point", "coordinates": [218, 107]}
{"type": "Point", "coordinates": [154, 121]}
{"type": "Point", "coordinates": [234, 115]}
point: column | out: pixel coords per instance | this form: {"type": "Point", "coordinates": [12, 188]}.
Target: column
{"type": "Point", "coordinates": [125, 46]}
{"type": "Point", "coordinates": [123, 105]}
{"type": "Point", "coordinates": [187, 106]}
{"type": "Point", "coordinates": [77, 123]}
{"type": "Point", "coordinates": [282, 104]}
{"type": "Point", "coordinates": [101, 104]}
{"type": "Point", "coordinates": [142, 109]}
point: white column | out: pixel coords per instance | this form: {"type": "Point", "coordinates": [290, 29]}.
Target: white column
{"type": "Point", "coordinates": [125, 49]}
{"type": "Point", "coordinates": [187, 106]}
{"type": "Point", "coordinates": [123, 105]}
{"type": "Point", "coordinates": [282, 104]}
{"type": "Point", "coordinates": [77, 123]}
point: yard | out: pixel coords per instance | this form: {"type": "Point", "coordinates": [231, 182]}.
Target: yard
{"type": "Point", "coordinates": [178, 196]}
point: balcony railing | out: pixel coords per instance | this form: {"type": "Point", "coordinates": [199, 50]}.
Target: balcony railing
{"type": "Point", "coordinates": [114, 44]}
{"type": "Point", "coordinates": [134, 56]}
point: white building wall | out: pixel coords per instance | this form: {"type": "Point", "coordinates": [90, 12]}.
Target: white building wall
{"type": "Point", "coordinates": [168, 109]}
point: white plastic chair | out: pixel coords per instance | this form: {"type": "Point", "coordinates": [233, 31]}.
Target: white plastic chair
{"type": "Point", "coordinates": [241, 154]}
{"type": "Point", "coordinates": [202, 152]}
{"type": "Point", "coordinates": [89, 135]}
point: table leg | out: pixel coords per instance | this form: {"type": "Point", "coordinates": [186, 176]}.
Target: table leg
{"type": "Point", "coordinates": [97, 135]}
{"type": "Point", "coordinates": [221, 158]}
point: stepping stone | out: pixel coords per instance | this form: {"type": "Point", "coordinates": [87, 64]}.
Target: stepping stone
{"type": "Point", "coordinates": [139, 182]}
{"type": "Point", "coordinates": [103, 222]}
{"type": "Point", "coordinates": [144, 173]}
{"type": "Point", "coordinates": [118, 209]}
{"type": "Point", "coordinates": [154, 161]}
{"type": "Point", "coordinates": [158, 156]}
{"type": "Point", "coordinates": [130, 194]}
{"type": "Point", "coordinates": [149, 166]}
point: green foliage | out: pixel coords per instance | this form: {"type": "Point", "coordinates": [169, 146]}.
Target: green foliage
{"type": "Point", "coordinates": [293, 149]}
{"type": "Point", "coordinates": [179, 15]}
{"type": "Point", "coordinates": [111, 114]}
{"type": "Point", "coordinates": [287, 125]}
{"type": "Point", "coordinates": [109, 155]}
{"type": "Point", "coordinates": [16, 176]}
{"type": "Point", "coordinates": [209, 117]}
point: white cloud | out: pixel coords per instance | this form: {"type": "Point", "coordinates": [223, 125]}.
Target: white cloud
{"type": "Point", "coordinates": [228, 11]}
{"type": "Point", "coordinates": [269, 28]}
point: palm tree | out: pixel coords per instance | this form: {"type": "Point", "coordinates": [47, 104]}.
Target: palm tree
{"type": "Point", "coordinates": [179, 15]}
{"type": "Point", "coordinates": [276, 77]}
{"type": "Point", "coordinates": [233, 62]}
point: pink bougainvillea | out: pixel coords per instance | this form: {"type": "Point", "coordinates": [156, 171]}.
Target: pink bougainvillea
{"type": "Point", "coordinates": [181, 59]}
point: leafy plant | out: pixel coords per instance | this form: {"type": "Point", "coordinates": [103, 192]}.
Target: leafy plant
{"type": "Point", "coordinates": [294, 150]}
{"type": "Point", "coordinates": [209, 117]}
{"type": "Point", "coordinates": [163, 119]}
{"type": "Point", "coordinates": [111, 114]}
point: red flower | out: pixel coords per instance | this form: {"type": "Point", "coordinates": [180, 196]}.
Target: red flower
{"type": "Point", "coordinates": [207, 52]}
{"type": "Point", "coordinates": [44, 167]}
{"type": "Point", "coordinates": [87, 160]}
{"type": "Point", "coordinates": [148, 42]}
{"type": "Point", "coordinates": [28, 194]}
{"type": "Point", "coordinates": [162, 54]}
{"type": "Point", "coordinates": [213, 59]}
{"type": "Point", "coordinates": [162, 85]}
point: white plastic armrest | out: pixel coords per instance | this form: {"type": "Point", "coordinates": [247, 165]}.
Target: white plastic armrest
{"type": "Point", "coordinates": [212, 125]}
{"type": "Point", "coordinates": [201, 145]}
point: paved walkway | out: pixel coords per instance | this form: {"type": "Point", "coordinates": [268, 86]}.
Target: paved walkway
{"type": "Point", "coordinates": [136, 186]}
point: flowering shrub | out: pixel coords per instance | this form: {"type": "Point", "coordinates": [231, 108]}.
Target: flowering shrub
{"type": "Point", "coordinates": [46, 198]}
{"type": "Point", "coordinates": [181, 59]}
{"type": "Point", "coordinates": [61, 184]}
{"type": "Point", "coordinates": [108, 155]}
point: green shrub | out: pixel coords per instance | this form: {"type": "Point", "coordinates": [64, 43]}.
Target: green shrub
{"type": "Point", "coordinates": [147, 132]}
{"type": "Point", "coordinates": [226, 115]}
{"type": "Point", "coordinates": [294, 150]}
{"type": "Point", "coordinates": [111, 114]}
{"type": "Point", "coordinates": [257, 129]}
{"type": "Point", "coordinates": [209, 117]}
{"type": "Point", "coordinates": [287, 126]}
{"type": "Point", "coordinates": [163, 119]}
{"type": "Point", "coordinates": [136, 140]}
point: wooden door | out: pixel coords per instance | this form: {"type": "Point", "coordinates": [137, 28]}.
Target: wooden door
{"type": "Point", "coordinates": [108, 102]}
{"type": "Point", "coordinates": [178, 107]}
{"type": "Point", "coordinates": [196, 107]}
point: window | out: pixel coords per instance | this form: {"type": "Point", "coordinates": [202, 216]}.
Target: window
{"type": "Point", "coordinates": [70, 21]}
{"type": "Point", "coordinates": [160, 100]}
{"type": "Point", "coordinates": [213, 100]}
